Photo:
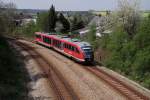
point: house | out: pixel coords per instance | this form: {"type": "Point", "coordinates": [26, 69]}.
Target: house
{"type": "Point", "coordinates": [102, 26]}
{"type": "Point", "coordinates": [23, 19]}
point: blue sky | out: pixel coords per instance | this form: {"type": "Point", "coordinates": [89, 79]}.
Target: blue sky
{"type": "Point", "coordinates": [73, 4]}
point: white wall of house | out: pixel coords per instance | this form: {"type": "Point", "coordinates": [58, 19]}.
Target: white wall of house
{"type": "Point", "coordinates": [28, 20]}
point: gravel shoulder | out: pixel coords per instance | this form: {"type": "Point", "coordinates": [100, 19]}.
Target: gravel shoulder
{"type": "Point", "coordinates": [39, 86]}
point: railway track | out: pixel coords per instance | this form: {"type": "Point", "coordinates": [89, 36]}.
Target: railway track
{"type": "Point", "coordinates": [61, 88]}
{"type": "Point", "coordinates": [120, 86]}
{"type": "Point", "coordinates": [124, 89]}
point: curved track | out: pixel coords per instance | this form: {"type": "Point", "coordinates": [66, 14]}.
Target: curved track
{"type": "Point", "coordinates": [120, 86]}
{"type": "Point", "coordinates": [61, 88]}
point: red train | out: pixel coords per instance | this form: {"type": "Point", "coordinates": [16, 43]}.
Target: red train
{"type": "Point", "coordinates": [74, 48]}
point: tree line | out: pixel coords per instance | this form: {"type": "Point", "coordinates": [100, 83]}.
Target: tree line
{"type": "Point", "coordinates": [53, 21]}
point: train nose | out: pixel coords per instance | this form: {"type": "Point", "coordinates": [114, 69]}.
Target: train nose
{"type": "Point", "coordinates": [89, 57]}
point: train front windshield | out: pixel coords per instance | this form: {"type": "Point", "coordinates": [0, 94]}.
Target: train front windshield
{"type": "Point", "coordinates": [88, 52]}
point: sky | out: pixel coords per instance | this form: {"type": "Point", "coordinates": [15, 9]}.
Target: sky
{"type": "Point", "coordinates": [73, 5]}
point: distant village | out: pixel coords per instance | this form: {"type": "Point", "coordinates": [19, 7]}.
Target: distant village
{"type": "Point", "coordinates": [25, 16]}
{"type": "Point", "coordinates": [99, 18]}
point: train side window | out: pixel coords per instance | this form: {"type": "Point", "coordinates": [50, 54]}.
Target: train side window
{"type": "Point", "coordinates": [44, 38]}
{"type": "Point", "coordinates": [38, 36]}
{"type": "Point", "coordinates": [69, 47]}
{"type": "Point", "coordinates": [47, 40]}
{"type": "Point", "coordinates": [59, 44]}
{"type": "Point", "coordinates": [72, 48]}
{"type": "Point", "coordinates": [76, 49]}
{"type": "Point", "coordinates": [64, 45]}
{"type": "Point", "coordinates": [50, 40]}
{"type": "Point", "coordinates": [53, 41]}
{"type": "Point", "coordinates": [56, 43]}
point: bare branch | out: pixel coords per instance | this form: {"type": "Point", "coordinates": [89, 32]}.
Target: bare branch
{"type": "Point", "coordinates": [129, 15]}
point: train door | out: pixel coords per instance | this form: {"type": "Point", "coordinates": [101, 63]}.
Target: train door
{"type": "Point", "coordinates": [62, 45]}
{"type": "Point", "coordinates": [77, 53]}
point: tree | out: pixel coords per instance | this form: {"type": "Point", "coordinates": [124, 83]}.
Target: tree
{"type": "Point", "coordinates": [59, 27]}
{"type": "Point", "coordinates": [7, 13]}
{"type": "Point", "coordinates": [29, 29]}
{"type": "Point", "coordinates": [142, 55]}
{"type": "Point", "coordinates": [65, 22]}
{"type": "Point", "coordinates": [42, 22]}
{"type": "Point", "coordinates": [52, 18]}
{"type": "Point", "coordinates": [76, 23]}
{"type": "Point", "coordinates": [129, 45]}
{"type": "Point", "coordinates": [128, 15]}
{"type": "Point", "coordinates": [3, 26]}
{"type": "Point", "coordinates": [91, 37]}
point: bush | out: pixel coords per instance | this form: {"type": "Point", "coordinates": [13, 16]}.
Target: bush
{"type": "Point", "coordinates": [131, 56]}
{"type": "Point", "coordinates": [27, 30]}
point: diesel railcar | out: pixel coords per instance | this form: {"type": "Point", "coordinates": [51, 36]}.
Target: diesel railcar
{"type": "Point", "coordinates": [74, 48]}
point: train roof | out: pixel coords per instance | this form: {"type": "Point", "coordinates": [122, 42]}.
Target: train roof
{"type": "Point", "coordinates": [66, 38]}
{"type": "Point", "coordinates": [74, 40]}
{"type": "Point", "coordinates": [84, 44]}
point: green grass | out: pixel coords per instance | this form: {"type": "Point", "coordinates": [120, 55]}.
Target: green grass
{"type": "Point", "coordinates": [145, 14]}
{"type": "Point", "coordinates": [103, 13]}
{"type": "Point", "coordinates": [13, 76]}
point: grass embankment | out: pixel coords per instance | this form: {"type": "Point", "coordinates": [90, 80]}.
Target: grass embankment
{"type": "Point", "coordinates": [13, 77]}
